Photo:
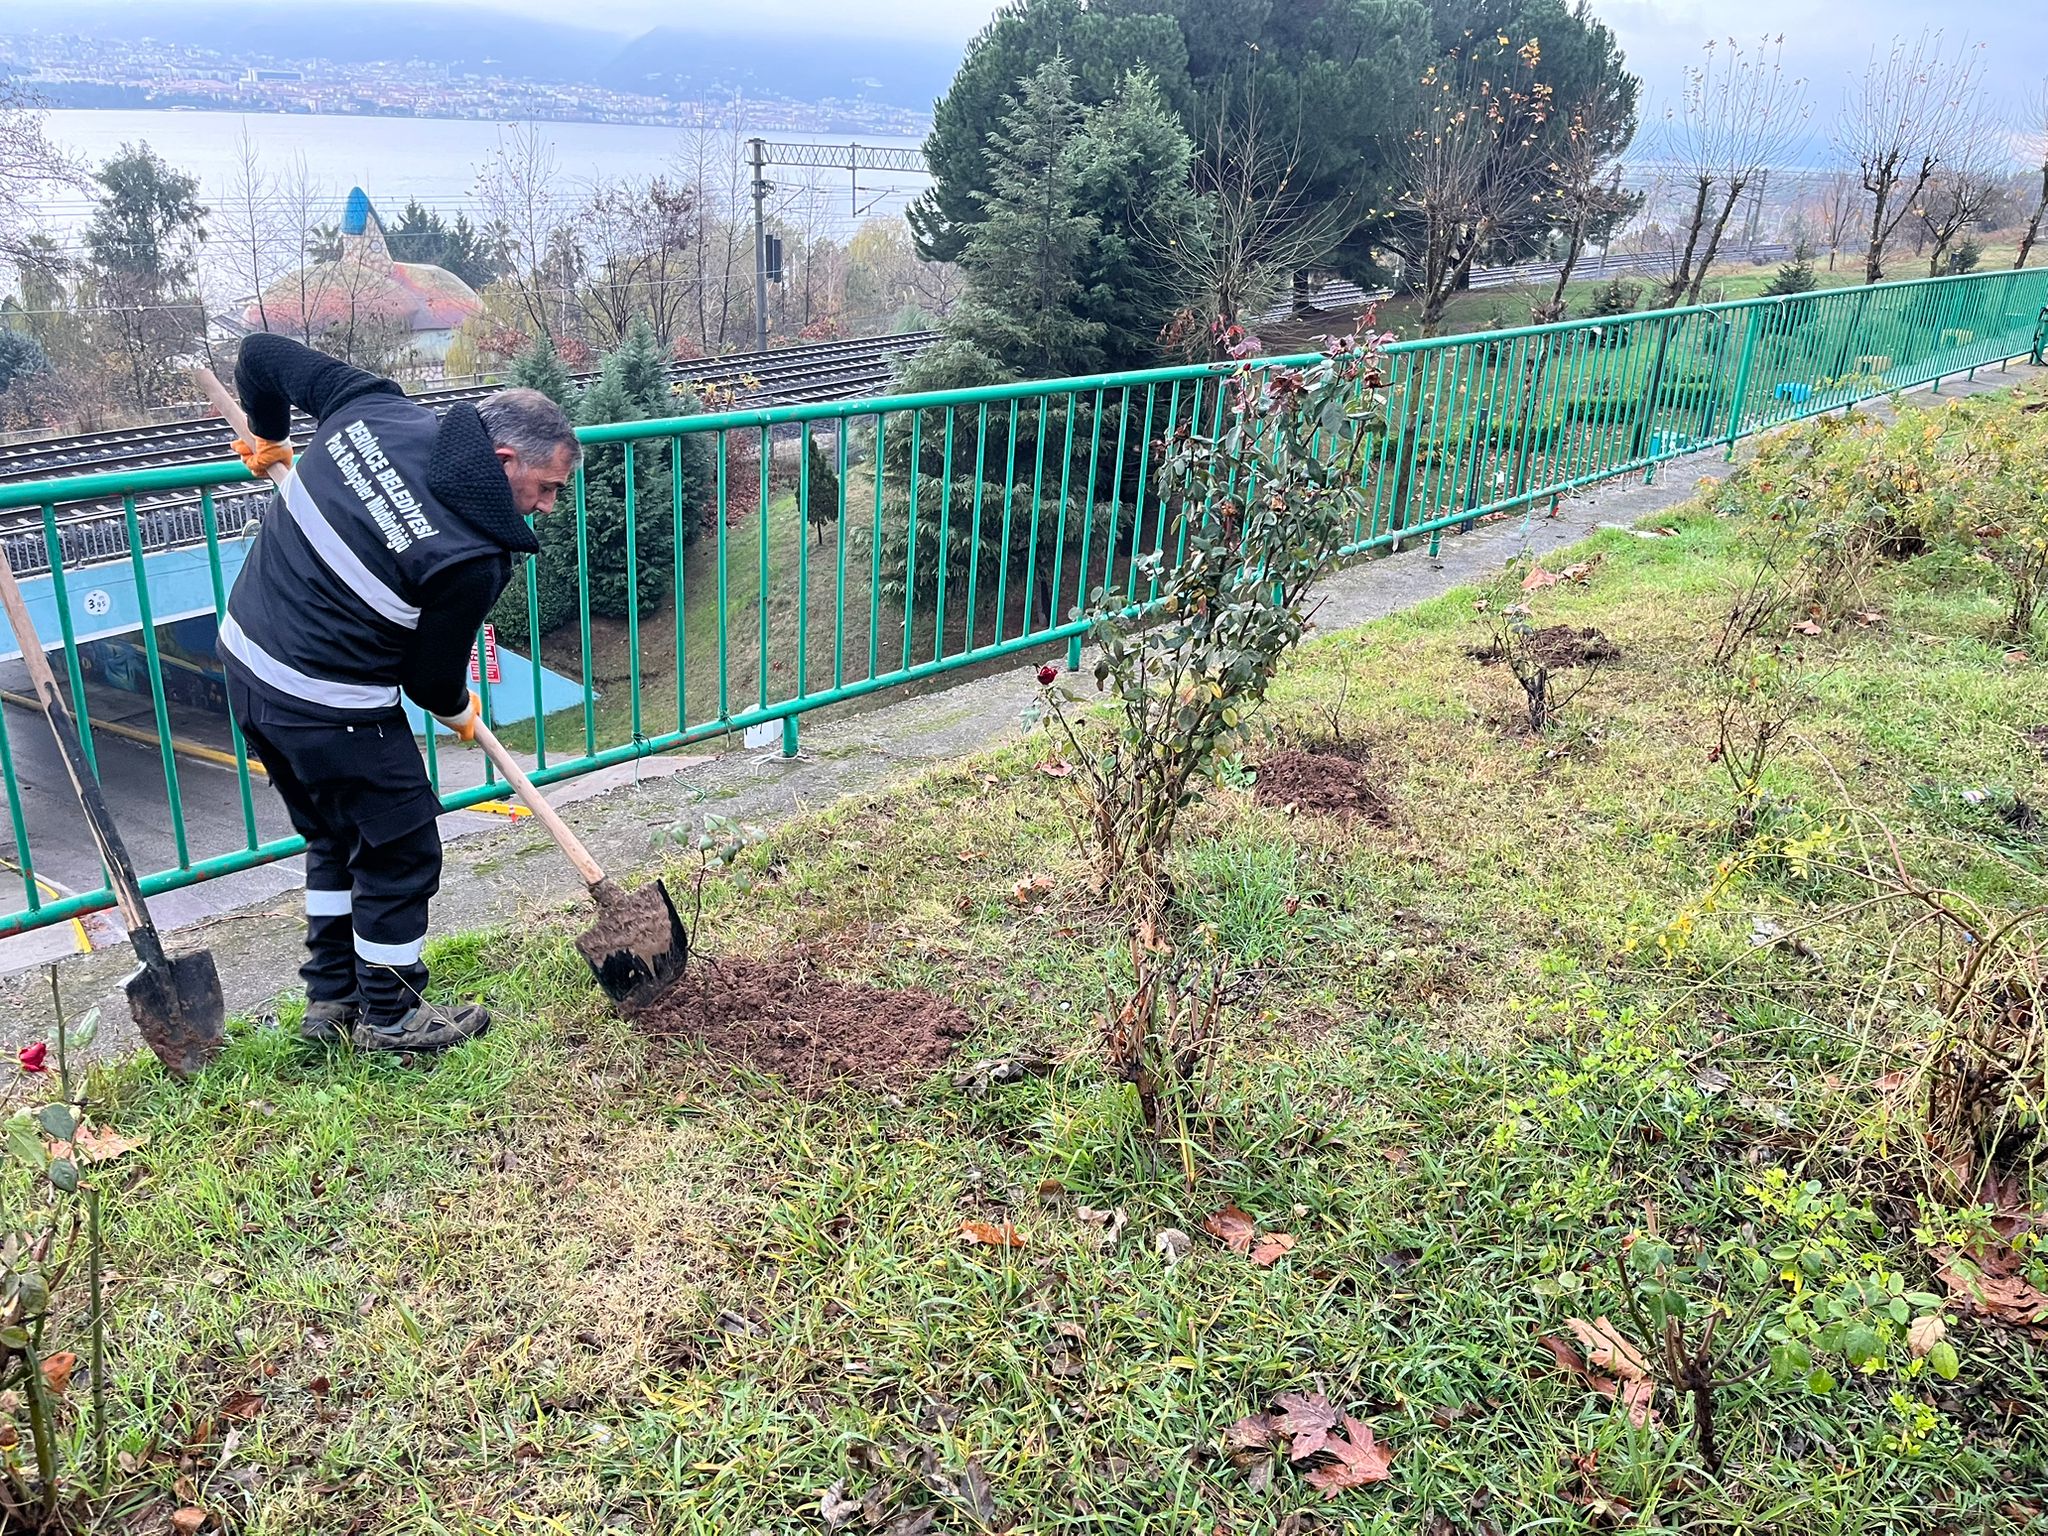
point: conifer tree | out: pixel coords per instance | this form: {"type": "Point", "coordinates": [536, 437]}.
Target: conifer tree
{"type": "Point", "coordinates": [1025, 259]}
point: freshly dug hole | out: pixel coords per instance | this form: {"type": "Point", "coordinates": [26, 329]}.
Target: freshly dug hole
{"type": "Point", "coordinates": [1556, 647]}
{"type": "Point", "coordinates": [776, 1016]}
{"type": "Point", "coordinates": [1332, 781]}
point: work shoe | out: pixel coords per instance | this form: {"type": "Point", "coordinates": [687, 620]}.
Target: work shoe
{"type": "Point", "coordinates": [329, 1023]}
{"type": "Point", "coordinates": [428, 1027]}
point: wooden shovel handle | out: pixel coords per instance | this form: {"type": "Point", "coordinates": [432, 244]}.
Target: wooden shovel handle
{"type": "Point", "coordinates": [544, 813]}
{"type": "Point", "coordinates": [230, 409]}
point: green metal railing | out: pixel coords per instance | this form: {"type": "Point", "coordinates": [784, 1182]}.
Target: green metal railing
{"type": "Point", "coordinates": [790, 559]}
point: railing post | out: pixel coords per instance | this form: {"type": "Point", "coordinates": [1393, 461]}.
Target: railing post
{"type": "Point", "coordinates": [1743, 365]}
{"type": "Point", "coordinates": [1074, 653]}
{"type": "Point", "coordinates": [789, 735]}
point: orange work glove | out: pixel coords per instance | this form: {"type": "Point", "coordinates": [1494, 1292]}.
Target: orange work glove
{"type": "Point", "coordinates": [463, 721]}
{"type": "Point", "coordinates": [261, 454]}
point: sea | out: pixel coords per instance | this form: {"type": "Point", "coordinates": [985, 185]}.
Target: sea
{"type": "Point", "coordinates": [436, 160]}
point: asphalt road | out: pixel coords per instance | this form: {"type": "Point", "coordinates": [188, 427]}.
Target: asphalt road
{"type": "Point", "coordinates": [132, 776]}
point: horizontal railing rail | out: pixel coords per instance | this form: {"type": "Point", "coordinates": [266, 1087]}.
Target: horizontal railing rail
{"type": "Point", "coordinates": [733, 571]}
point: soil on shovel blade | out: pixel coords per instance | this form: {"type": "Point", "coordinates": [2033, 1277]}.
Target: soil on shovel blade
{"type": "Point", "coordinates": [1558, 647]}
{"type": "Point", "coordinates": [1335, 781]}
{"type": "Point", "coordinates": [777, 1016]}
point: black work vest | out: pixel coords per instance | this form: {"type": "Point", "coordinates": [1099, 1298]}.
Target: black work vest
{"type": "Point", "coordinates": [329, 595]}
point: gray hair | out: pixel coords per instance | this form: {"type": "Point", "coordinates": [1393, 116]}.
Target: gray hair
{"type": "Point", "coordinates": [529, 423]}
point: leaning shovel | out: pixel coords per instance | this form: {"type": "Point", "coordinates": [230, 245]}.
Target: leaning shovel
{"type": "Point", "coordinates": [176, 1002]}
{"type": "Point", "coordinates": [637, 948]}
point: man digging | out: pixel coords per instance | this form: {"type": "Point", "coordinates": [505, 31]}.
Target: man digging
{"type": "Point", "coordinates": [384, 551]}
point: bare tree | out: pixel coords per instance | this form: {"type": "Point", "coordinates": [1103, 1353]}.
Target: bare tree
{"type": "Point", "coordinates": [1588, 191]}
{"type": "Point", "coordinates": [248, 240]}
{"type": "Point", "coordinates": [1738, 114]}
{"type": "Point", "coordinates": [2037, 132]}
{"type": "Point", "coordinates": [1967, 188]}
{"type": "Point", "coordinates": [1475, 163]}
{"type": "Point", "coordinates": [710, 163]}
{"type": "Point", "coordinates": [31, 167]}
{"type": "Point", "coordinates": [1901, 123]}
{"type": "Point", "coordinates": [1255, 226]}
{"type": "Point", "coordinates": [635, 242]}
{"type": "Point", "coordinates": [1839, 203]}
{"type": "Point", "coordinates": [304, 207]}
{"type": "Point", "coordinates": [518, 192]}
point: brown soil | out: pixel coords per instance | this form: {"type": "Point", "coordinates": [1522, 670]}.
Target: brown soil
{"type": "Point", "coordinates": [1558, 647]}
{"type": "Point", "coordinates": [1333, 782]}
{"type": "Point", "coordinates": [777, 1016]}
{"type": "Point", "coordinates": [2037, 735]}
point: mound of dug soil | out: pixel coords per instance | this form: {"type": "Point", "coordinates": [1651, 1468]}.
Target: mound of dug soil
{"type": "Point", "coordinates": [777, 1016]}
{"type": "Point", "coordinates": [1557, 647]}
{"type": "Point", "coordinates": [1333, 782]}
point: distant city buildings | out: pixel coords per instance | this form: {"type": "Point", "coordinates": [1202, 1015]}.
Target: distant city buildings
{"type": "Point", "coordinates": [70, 71]}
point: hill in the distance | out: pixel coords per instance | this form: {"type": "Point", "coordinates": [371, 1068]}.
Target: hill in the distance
{"type": "Point", "coordinates": [667, 61]}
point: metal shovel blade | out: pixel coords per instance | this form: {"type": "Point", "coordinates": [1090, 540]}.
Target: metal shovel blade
{"type": "Point", "coordinates": [178, 1008]}
{"type": "Point", "coordinates": [637, 947]}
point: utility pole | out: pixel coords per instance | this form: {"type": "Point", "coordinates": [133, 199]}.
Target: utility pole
{"type": "Point", "coordinates": [759, 149]}
{"type": "Point", "coordinates": [852, 158]}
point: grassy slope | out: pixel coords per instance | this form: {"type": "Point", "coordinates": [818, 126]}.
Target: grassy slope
{"type": "Point", "coordinates": [557, 1279]}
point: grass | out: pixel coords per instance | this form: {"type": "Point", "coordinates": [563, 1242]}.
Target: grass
{"type": "Point", "coordinates": [565, 1281]}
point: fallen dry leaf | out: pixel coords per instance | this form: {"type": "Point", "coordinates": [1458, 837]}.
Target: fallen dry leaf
{"type": "Point", "coordinates": [1537, 579]}
{"type": "Point", "coordinates": [1004, 1236]}
{"type": "Point", "coordinates": [1997, 1289]}
{"type": "Point", "coordinates": [1634, 1398]}
{"type": "Point", "coordinates": [242, 1405]}
{"type": "Point", "coordinates": [1030, 889]}
{"type": "Point", "coordinates": [1231, 1227]}
{"type": "Point", "coordinates": [1359, 1461]}
{"type": "Point", "coordinates": [1267, 1251]}
{"type": "Point", "coordinates": [1925, 1333]}
{"type": "Point", "coordinates": [1057, 768]}
{"type": "Point", "coordinates": [95, 1144]}
{"type": "Point", "coordinates": [1606, 1348]}
{"type": "Point", "coordinates": [1248, 1444]}
{"type": "Point", "coordinates": [835, 1508]}
{"type": "Point", "coordinates": [188, 1520]}
{"type": "Point", "coordinates": [1806, 627]}
{"type": "Point", "coordinates": [1306, 1419]}
{"type": "Point", "coordinates": [57, 1371]}
{"type": "Point", "coordinates": [1568, 1359]}
{"type": "Point", "coordinates": [1890, 1083]}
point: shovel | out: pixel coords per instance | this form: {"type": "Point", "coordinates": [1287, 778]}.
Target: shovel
{"type": "Point", "coordinates": [637, 948]}
{"type": "Point", "coordinates": [176, 1002]}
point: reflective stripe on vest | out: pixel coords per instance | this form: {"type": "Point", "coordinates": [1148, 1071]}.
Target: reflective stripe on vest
{"type": "Point", "coordinates": [335, 554]}
{"type": "Point", "coordinates": [290, 680]}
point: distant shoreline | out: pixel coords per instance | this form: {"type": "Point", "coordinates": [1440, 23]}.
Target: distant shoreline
{"type": "Point", "coordinates": [815, 117]}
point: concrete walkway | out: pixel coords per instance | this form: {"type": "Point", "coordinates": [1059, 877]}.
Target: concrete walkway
{"type": "Point", "coordinates": [512, 874]}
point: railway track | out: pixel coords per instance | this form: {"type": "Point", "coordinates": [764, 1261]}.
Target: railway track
{"type": "Point", "coordinates": [90, 531]}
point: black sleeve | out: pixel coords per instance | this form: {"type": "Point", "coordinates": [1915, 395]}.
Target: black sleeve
{"type": "Point", "coordinates": [435, 673]}
{"type": "Point", "coordinates": [274, 373]}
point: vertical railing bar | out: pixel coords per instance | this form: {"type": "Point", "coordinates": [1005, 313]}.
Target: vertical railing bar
{"type": "Point", "coordinates": [154, 659]}
{"type": "Point", "coordinates": [209, 522]}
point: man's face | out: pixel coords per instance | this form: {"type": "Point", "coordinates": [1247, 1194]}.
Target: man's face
{"type": "Point", "coordinates": [535, 486]}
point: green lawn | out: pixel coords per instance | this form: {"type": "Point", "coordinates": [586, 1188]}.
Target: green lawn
{"type": "Point", "coordinates": [570, 1280]}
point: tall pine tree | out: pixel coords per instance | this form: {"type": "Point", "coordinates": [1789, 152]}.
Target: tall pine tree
{"type": "Point", "coordinates": [1131, 170]}
{"type": "Point", "coordinates": [1025, 259]}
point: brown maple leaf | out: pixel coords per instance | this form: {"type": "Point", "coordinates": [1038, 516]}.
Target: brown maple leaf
{"type": "Point", "coordinates": [1359, 1460]}
{"type": "Point", "coordinates": [1267, 1251]}
{"type": "Point", "coordinates": [1989, 1282]}
{"type": "Point", "coordinates": [1306, 1418]}
{"type": "Point", "coordinates": [95, 1144]}
{"type": "Point", "coordinates": [1606, 1348]}
{"type": "Point", "coordinates": [1231, 1227]}
{"type": "Point", "coordinates": [1537, 579]}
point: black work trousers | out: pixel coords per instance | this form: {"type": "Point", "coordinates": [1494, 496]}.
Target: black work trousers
{"type": "Point", "coordinates": [358, 794]}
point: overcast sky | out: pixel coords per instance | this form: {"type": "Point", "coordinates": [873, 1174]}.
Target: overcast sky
{"type": "Point", "coordinates": [1825, 40]}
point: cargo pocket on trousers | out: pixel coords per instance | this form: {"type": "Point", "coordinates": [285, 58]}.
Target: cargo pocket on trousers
{"type": "Point", "coordinates": [391, 822]}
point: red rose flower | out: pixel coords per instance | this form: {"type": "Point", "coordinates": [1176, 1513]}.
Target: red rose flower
{"type": "Point", "coordinates": [1048, 675]}
{"type": "Point", "coordinates": [32, 1057]}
